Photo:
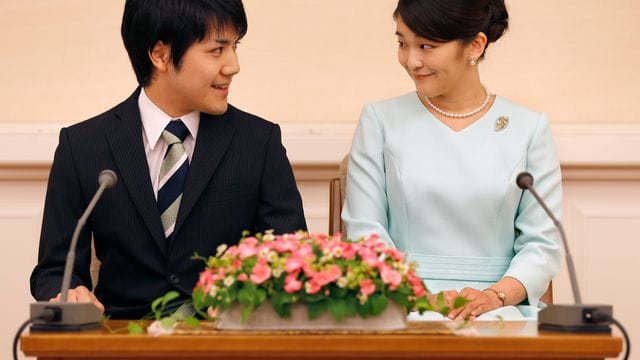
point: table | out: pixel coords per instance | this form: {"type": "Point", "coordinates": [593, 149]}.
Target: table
{"type": "Point", "coordinates": [488, 340]}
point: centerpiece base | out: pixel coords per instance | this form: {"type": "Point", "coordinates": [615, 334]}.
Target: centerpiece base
{"type": "Point", "coordinates": [265, 318]}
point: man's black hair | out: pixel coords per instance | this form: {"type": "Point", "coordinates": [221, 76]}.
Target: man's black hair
{"type": "Point", "coordinates": [178, 23]}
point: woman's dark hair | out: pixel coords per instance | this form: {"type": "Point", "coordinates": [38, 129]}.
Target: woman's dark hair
{"type": "Point", "coordinates": [178, 23]}
{"type": "Point", "coordinates": [447, 20]}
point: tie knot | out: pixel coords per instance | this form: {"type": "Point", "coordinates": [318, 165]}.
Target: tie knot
{"type": "Point", "coordinates": [175, 131]}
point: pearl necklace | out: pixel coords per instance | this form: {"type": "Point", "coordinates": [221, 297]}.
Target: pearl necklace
{"type": "Point", "coordinates": [463, 115]}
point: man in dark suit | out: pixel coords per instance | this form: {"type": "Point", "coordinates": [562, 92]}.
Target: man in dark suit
{"type": "Point", "coordinates": [179, 191]}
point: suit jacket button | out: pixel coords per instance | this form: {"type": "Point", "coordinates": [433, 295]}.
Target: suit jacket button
{"type": "Point", "coordinates": [174, 279]}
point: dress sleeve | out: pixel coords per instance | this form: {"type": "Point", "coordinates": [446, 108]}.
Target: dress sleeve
{"type": "Point", "coordinates": [366, 206]}
{"type": "Point", "coordinates": [538, 253]}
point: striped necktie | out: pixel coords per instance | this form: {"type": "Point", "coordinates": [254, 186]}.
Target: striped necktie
{"type": "Point", "coordinates": [173, 175]}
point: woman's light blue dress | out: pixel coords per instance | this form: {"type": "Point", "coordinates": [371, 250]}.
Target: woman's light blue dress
{"type": "Point", "coordinates": [450, 200]}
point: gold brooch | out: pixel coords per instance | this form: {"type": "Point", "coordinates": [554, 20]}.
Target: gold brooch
{"type": "Point", "coordinates": [502, 123]}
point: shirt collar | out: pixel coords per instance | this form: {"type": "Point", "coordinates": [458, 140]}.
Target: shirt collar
{"type": "Point", "coordinates": [154, 120]}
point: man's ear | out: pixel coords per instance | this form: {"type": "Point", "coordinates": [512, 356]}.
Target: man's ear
{"type": "Point", "coordinates": [160, 56]}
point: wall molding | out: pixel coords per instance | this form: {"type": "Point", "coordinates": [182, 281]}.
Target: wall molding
{"type": "Point", "coordinates": [587, 151]}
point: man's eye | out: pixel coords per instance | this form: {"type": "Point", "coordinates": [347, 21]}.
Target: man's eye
{"type": "Point", "coordinates": [400, 44]}
{"type": "Point", "coordinates": [426, 47]}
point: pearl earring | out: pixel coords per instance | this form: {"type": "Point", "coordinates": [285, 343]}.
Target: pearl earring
{"type": "Point", "coordinates": [472, 61]}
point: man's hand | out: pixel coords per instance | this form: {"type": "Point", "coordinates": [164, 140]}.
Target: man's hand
{"type": "Point", "coordinates": [80, 294]}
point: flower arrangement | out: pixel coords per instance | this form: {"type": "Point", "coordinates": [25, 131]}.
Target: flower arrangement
{"type": "Point", "coordinates": [327, 273]}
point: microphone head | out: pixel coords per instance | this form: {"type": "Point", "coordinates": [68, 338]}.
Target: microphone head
{"type": "Point", "coordinates": [524, 180]}
{"type": "Point", "coordinates": [108, 178]}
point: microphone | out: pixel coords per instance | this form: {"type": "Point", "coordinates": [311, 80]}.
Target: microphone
{"type": "Point", "coordinates": [73, 316]}
{"type": "Point", "coordinates": [568, 318]}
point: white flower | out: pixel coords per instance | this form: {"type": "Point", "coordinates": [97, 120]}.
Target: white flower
{"type": "Point", "coordinates": [214, 291]}
{"type": "Point", "coordinates": [403, 268]}
{"type": "Point", "coordinates": [221, 249]}
{"type": "Point", "coordinates": [272, 256]}
{"type": "Point", "coordinates": [228, 281]}
{"type": "Point", "coordinates": [156, 329]}
{"type": "Point", "coordinates": [264, 251]}
{"type": "Point", "coordinates": [276, 272]}
{"type": "Point", "coordinates": [337, 251]}
{"type": "Point", "coordinates": [268, 235]}
{"type": "Point", "coordinates": [342, 282]}
{"type": "Point", "coordinates": [362, 297]}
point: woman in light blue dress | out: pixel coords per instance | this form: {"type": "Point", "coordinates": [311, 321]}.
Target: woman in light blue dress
{"type": "Point", "coordinates": [434, 171]}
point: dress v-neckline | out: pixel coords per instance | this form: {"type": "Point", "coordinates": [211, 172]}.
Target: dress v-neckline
{"type": "Point", "coordinates": [464, 129]}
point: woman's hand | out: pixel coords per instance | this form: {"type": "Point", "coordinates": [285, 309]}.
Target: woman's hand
{"type": "Point", "coordinates": [479, 303]}
{"type": "Point", "coordinates": [449, 297]}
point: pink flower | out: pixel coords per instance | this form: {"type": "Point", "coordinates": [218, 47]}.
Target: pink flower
{"type": "Point", "coordinates": [419, 290]}
{"type": "Point", "coordinates": [304, 250]}
{"type": "Point", "coordinates": [205, 281]}
{"type": "Point", "coordinates": [348, 251]}
{"type": "Point", "coordinates": [294, 262]}
{"type": "Point", "coordinates": [246, 250]}
{"type": "Point", "coordinates": [395, 254]}
{"type": "Point", "coordinates": [291, 283]}
{"type": "Point", "coordinates": [390, 276]}
{"type": "Point", "coordinates": [413, 279]}
{"type": "Point", "coordinates": [367, 287]}
{"type": "Point", "coordinates": [369, 256]}
{"type": "Point", "coordinates": [284, 245]}
{"type": "Point", "coordinates": [312, 287]}
{"type": "Point", "coordinates": [242, 277]}
{"type": "Point", "coordinates": [261, 272]}
{"type": "Point", "coordinates": [322, 278]}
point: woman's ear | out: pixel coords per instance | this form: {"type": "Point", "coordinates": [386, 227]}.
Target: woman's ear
{"type": "Point", "coordinates": [160, 56]}
{"type": "Point", "coordinates": [476, 47]}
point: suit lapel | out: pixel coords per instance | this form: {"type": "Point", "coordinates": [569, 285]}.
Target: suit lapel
{"type": "Point", "coordinates": [125, 139]}
{"type": "Point", "coordinates": [214, 136]}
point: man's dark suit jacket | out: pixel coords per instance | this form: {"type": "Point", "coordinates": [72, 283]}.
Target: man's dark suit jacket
{"type": "Point", "coordinates": [239, 179]}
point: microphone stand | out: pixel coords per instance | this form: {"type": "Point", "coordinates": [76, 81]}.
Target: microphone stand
{"type": "Point", "coordinates": [72, 316]}
{"type": "Point", "coordinates": [578, 317]}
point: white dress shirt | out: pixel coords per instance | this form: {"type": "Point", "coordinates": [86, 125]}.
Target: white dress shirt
{"type": "Point", "coordinates": [154, 122]}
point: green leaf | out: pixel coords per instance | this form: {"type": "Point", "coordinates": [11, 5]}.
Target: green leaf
{"type": "Point", "coordinates": [155, 304]}
{"type": "Point", "coordinates": [198, 299]}
{"type": "Point", "coordinates": [379, 303]}
{"type": "Point", "coordinates": [168, 322]}
{"type": "Point", "coordinates": [338, 292]}
{"type": "Point", "coordinates": [281, 303]}
{"type": "Point", "coordinates": [192, 321]}
{"type": "Point", "coordinates": [246, 312]}
{"type": "Point", "coordinates": [338, 308]}
{"type": "Point", "coordinates": [459, 302]}
{"type": "Point", "coordinates": [398, 298]}
{"type": "Point", "coordinates": [312, 298]}
{"type": "Point", "coordinates": [135, 328]}
{"type": "Point", "coordinates": [261, 296]}
{"type": "Point", "coordinates": [247, 296]}
{"type": "Point", "coordinates": [440, 301]}
{"type": "Point", "coordinates": [317, 308]}
{"type": "Point", "coordinates": [168, 297]}
{"type": "Point", "coordinates": [352, 306]}
{"type": "Point", "coordinates": [422, 304]}
{"type": "Point", "coordinates": [364, 310]}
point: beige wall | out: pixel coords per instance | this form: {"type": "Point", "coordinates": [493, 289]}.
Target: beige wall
{"type": "Point", "coordinates": [320, 60]}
